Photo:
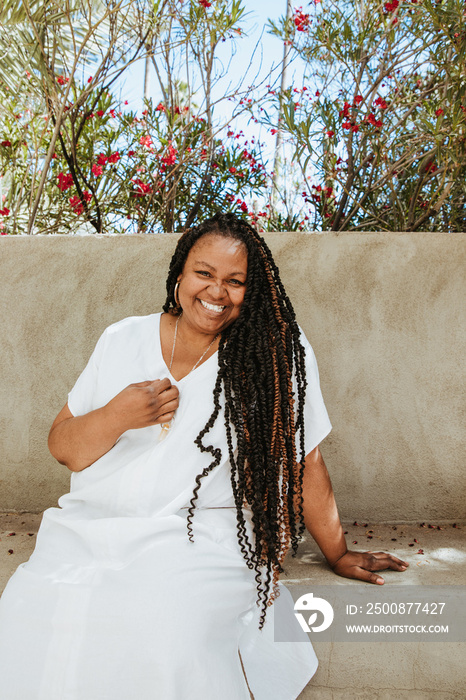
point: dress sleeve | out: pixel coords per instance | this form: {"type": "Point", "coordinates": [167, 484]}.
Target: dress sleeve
{"type": "Point", "coordinates": [81, 396]}
{"type": "Point", "coordinates": [316, 421]}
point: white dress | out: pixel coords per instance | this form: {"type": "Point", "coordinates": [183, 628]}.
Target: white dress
{"type": "Point", "coordinates": [115, 603]}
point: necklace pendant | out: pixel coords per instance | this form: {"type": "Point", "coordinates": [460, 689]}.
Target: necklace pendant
{"type": "Point", "coordinates": [164, 431]}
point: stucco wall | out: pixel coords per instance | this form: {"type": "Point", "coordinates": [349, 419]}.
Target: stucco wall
{"type": "Point", "coordinates": [381, 310]}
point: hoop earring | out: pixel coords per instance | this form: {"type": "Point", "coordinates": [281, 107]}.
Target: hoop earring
{"type": "Point", "coordinates": [176, 297]}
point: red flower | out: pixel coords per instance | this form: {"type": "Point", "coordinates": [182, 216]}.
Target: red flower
{"type": "Point", "coordinates": [114, 157]}
{"type": "Point", "coordinates": [301, 20]}
{"type": "Point", "coordinates": [391, 6]}
{"type": "Point", "coordinates": [380, 102]}
{"type": "Point", "coordinates": [5, 144]}
{"type": "Point", "coordinates": [346, 125]}
{"type": "Point", "coordinates": [375, 122]}
{"type": "Point", "coordinates": [131, 153]}
{"type": "Point", "coordinates": [345, 111]}
{"type": "Point", "coordinates": [273, 131]}
{"type": "Point", "coordinates": [145, 141]}
{"type": "Point", "coordinates": [97, 170]}
{"type": "Point", "coordinates": [358, 99]}
{"type": "Point", "coordinates": [100, 113]}
{"type": "Point", "coordinates": [89, 80]}
{"type": "Point", "coordinates": [64, 181]}
{"type": "Point", "coordinates": [317, 93]}
{"type": "Point", "coordinates": [142, 188]}
{"type": "Point", "coordinates": [354, 128]}
{"type": "Point", "coordinates": [101, 160]}
{"type": "Point", "coordinates": [160, 107]}
{"type": "Point", "coordinates": [244, 206]}
{"type": "Point", "coordinates": [4, 212]}
{"type": "Point", "coordinates": [229, 198]}
{"type": "Point", "coordinates": [438, 112]}
{"type": "Point", "coordinates": [170, 159]}
{"type": "Point", "coordinates": [62, 80]}
{"type": "Point", "coordinates": [112, 113]}
{"type": "Point", "coordinates": [330, 133]}
{"type": "Point", "coordinates": [205, 3]}
{"type": "Point", "coordinates": [76, 203]}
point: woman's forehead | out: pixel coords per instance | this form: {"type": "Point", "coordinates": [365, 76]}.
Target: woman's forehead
{"type": "Point", "coordinates": [215, 249]}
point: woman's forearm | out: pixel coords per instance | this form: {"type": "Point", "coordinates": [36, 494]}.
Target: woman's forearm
{"type": "Point", "coordinates": [320, 509]}
{"type": "Point", "coordinates": [77, 442]}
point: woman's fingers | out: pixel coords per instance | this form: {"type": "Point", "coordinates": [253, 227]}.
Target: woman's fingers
{"type": "Point", "coordinates": [168, 408]}
{"type": "Point", "coordinates": [383, 560]}
{"type": "Point", "coordinates": [368, 576]}
{"type": "Point", "coordinates": [363, 565]}
{"type": "Point", "coordinates": [145, 403]}
{"type": "Point", "coordinates": [164, 418]}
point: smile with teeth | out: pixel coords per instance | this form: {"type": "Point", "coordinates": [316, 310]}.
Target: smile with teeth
{"type": "Point", "coordinates": [212, 307]}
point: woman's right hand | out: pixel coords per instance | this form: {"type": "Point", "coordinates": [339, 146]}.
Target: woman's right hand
{"type": "Point", "coordinates": [78, 441]}
{"type": "Point", "coordinates": [144, 403]}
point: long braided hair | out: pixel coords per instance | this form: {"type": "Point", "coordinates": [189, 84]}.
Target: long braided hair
{"type": "Point", "coordinates": [258, 356]}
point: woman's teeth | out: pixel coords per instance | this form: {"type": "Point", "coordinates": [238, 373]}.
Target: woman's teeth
{"type": "Point", "coordinates": [212, 307]}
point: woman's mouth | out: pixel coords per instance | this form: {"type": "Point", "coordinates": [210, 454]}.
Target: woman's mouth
{"type": "Point", "coordinates": [212, 307]}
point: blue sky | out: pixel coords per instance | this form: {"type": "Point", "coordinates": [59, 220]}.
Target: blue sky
{"type": "Point", "coordinates": [269, 52]}
{"type": "Point", "coordinates": [266, 52]}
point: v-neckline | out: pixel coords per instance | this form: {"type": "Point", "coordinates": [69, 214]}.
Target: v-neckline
{"type": "Point", "coordinates": [192, 372]}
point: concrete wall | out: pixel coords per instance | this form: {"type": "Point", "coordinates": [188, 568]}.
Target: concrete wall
{"type": "Point", "coordinates": [381, 310]}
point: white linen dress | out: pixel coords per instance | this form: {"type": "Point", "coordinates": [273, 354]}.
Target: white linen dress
{"type": "Point", "coordinates": [115, 603]}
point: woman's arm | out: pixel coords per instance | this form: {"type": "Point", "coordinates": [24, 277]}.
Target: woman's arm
{"type": "Point", "coordinates": [323, 522]}
{"type": "Point", "coordinates": [78, 441]}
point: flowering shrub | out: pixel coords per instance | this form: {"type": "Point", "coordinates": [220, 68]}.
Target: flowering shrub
{"type": "Point", "coordinates": [126, 174]}
{"type": "Point", "coordinates": [375, 135]}
{"type": "Point", "coordinates": [113, 169]}
{"type": "Point", "coordinates": [379, 130]}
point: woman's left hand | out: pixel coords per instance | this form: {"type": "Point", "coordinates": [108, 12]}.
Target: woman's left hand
{"type": "Point", "coordinates": [361, 565]}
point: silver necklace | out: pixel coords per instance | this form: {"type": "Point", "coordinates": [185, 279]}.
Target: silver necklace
{"type": "Point", "coordinates": [166, 426]}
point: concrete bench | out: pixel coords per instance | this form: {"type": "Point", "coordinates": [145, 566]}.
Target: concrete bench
{"type": "Point", "coordinates": [348, 671]}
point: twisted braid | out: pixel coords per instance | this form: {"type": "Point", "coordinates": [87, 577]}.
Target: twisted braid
{"type": "Point", "coordinates": [258, 356]}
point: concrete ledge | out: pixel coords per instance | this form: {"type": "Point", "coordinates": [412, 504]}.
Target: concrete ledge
{"type": "Point", "coordinates": [384, 313]}
{"type": "Point", "coordinates": [359, 671]}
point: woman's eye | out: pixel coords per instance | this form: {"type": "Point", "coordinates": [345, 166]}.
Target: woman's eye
{"type": "Point", "coordinates": [204, 273]}
{"type": "Point", "coordinates": [237, 283]}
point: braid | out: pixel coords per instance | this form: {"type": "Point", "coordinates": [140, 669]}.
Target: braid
{"type": "Point", "coordinates": [259, 354]}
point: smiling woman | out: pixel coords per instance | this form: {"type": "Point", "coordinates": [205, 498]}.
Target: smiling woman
{"type": "Point", "coordinates": [210, 291]}
{"type": "Point", "coordinates": [157, 577]}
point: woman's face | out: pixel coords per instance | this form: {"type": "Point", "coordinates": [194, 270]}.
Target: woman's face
{"type": "Point", "coordinates": [213, 283]}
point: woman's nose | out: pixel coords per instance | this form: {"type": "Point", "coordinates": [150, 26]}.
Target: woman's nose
{"type": "Point", "coordinates": [217, 290]}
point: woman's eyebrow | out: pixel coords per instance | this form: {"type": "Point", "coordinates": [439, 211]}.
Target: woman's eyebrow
{"type": "Point", "coordinates": [210, 267]}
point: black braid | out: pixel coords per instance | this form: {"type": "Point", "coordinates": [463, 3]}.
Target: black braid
{"type": "Point", "coordinates": [258, 356]}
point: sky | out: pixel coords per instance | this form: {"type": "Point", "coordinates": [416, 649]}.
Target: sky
{"type": "Point", "coordinates": [265, 67]}
{"type": "Point", "coordinates": [269, 53]}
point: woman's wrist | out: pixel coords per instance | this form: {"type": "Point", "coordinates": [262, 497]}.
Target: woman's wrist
{"type": "Point", "coordinates": [333, 561]}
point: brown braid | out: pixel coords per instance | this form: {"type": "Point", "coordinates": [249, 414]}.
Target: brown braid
{"type": "Point", "coordinates": [258, 356]}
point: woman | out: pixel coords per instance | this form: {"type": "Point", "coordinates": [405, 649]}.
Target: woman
{"type": "Point", "coordinates": [193, 440]}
